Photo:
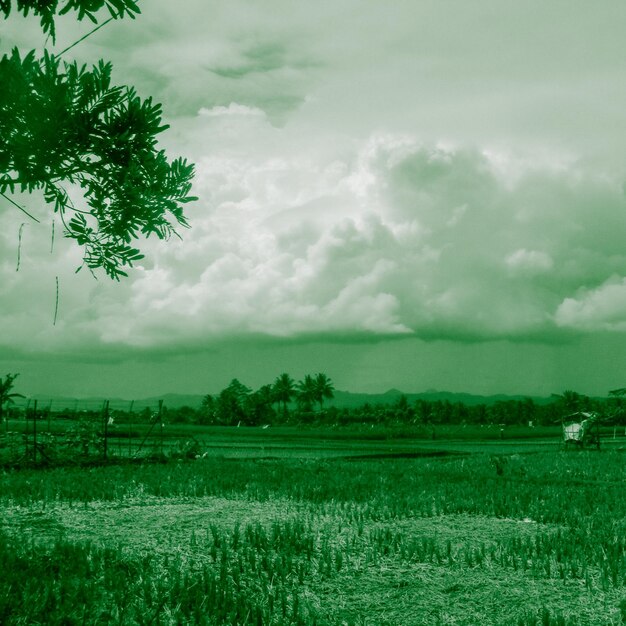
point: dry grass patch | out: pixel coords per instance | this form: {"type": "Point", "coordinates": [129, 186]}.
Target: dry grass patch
{"type": "Point", "coordinates": [468, 530]}
{"type": "Point", "coordinates": [424, 594]}
{"type": "Point", "coordinates": [378, 583]}
{"type": "Point", "coordinates": [146, 525]}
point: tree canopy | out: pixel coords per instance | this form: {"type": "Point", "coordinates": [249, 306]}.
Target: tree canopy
{"type": "Point", "coordinates": [63, 124]}
{"type": "Point", "coordinates": [283, 390]}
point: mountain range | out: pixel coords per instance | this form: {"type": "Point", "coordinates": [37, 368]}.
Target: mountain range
{"type": "Point", "coordinates": [341, 399]}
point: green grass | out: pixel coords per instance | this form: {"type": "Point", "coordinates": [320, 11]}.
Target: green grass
{"type": "Point", "coordinates": [399, 541]}
{"type": "Point", "coordinates": [322, 432]}
{"type": "Point", "coordinates": [63, 441]}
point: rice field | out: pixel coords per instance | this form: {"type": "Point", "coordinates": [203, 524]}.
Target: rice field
{"type": "Point", "coordinates": [537, 536]}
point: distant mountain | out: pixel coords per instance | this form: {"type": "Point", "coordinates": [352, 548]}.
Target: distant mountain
{"type": "Point", "coordinates": [393, 392]}
{"type": "Point", "coordinates": [173, 400]}
{"type": "Point", "coordinates": [342, 399]}
{"type": "Point", "coordinates": [350, 399]}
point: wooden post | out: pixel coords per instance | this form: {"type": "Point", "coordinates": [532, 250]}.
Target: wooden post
{"type": "Point", "coordinates": [105, 414]}
{"type": "Point", "coordinates": [35, 432]}
{"type": "Point", "coordinates": [26, 426]}
{"type": "Point", "coordinates": [161, 423]}
{"type": "Point", "coordinates": [130, 429]}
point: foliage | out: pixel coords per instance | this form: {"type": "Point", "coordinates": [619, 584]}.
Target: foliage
{"type": "Point", "coordinates": [323, 389]}
{"type": "Point", "coordinates": [206, 414]}
{"type": "Point", "coordinates": [48, 9]}
{"type": "Point", "coordinates": [258, 407]}
{"type": "Point", "coordinates": [571, 402]}
{"type": "Point", "coordinates": [239, 404]}
{"type": "Point", "coordinates": [306, 393]}
{"type": "Point", "coordinates": [6, 396]}
{"type": "Point", "coordinates": [284, 390]}
{"type": "Point", "coordinates": [231, 404]}
{"type": "Point", "coordinates": [313, 390]}
{"type": "Point", "coordinates": [62, 124]}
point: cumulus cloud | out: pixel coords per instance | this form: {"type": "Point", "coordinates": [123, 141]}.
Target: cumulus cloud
{"type": "Point", "coordinates": [395, 238]}
{"type": "Point", "coordinates": [602, 308]}
{"type": "Point", "coordinates": [534, 261]}
{"type": "Point", "coordinates": [232, 109]}
{"type": "Point", "coordinates": [344, 194]}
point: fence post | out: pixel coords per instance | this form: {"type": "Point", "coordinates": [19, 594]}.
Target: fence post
{"type": "Point", "coordinates": [105, 415]}
{"type": "Point", "coordinates": [35, 432]}
{"type": "Point", "coordinates": [25, 433]}
{"type": "Point", "coordinates": [130, 429]}
{"type": "Point", "coordinates": [161, 423]}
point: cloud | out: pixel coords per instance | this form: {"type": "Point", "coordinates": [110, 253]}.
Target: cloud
{"type": "Point", "coordinates": [533, 261]}
{"type": "Point", "coordinates": [600, 309]}
{"type": "Point", "coordinates": [355, 180]}
{"type": "Point", "coordinates": [232, 109]}
{"type": "Point", "coordinates": [393, 238]}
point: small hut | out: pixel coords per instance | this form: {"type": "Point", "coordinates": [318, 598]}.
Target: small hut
{"type": "Point", "coordinates": [581, 429]}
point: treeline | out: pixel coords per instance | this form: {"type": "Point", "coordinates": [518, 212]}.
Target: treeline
{"type": "Point", "coordinates": [305, 402]}
{"type": "Point", "coordinates": [284, 401]}
{"type": "Point", "coordinates": [309, 401]}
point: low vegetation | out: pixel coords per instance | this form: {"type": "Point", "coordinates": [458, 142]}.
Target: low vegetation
{"type": "Point", "coordinates": [401, 519]}
{"type": "Point", "coordinates": [480, 539]}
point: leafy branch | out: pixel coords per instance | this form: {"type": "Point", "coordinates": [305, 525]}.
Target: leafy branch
{"type": "Point", "coordinates": [60, 121]}
{"type": "Point", "coordinates": [46, 10]}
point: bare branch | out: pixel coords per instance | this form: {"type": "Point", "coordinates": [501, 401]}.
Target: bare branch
{"type": "Point", "coordinates": [19, 207]}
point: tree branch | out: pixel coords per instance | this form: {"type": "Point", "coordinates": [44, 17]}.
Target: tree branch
{"type": "Point", "coordinates": [22, 209]}
{"type": "Point", "coordinates": [85, 37]}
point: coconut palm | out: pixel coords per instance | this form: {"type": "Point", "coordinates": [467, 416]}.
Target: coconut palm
{"type": "Point", "coordinates": [259, 406]}
{"type": "Point", "coordinates": [283, 390]}
{"type": "Point", "coordinates": [571, 402]}
{"type": "Point", "coordinates": [6, 397]}
{"type": "Point", "coordinates": [306, 392]}
{"type": "Point", "coordinates": [323, 389]}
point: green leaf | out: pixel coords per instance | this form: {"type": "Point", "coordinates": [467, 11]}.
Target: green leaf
{"type": "Point", "coordinates": [68, 123]}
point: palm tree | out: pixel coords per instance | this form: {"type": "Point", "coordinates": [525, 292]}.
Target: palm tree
{"type": "Point", "coordinates": [284, 389]}
{"type": "Point", "coordinates": [259, 406]}
{"type": "Point", "coordinates": [6, 397]}
{"type": "Point", "coordinates": [307, 392]}
{"type": "Point", "coordinates": [571, 402]}
{"type": "Point", "coordinates": [323, 389]}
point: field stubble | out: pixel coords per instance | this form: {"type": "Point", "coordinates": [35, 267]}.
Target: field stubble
{"type": "Point", "coordinates": [482, 539]}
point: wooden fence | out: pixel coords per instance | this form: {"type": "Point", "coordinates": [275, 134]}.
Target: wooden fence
{"type": "Point", "coordinates": [39, 433]}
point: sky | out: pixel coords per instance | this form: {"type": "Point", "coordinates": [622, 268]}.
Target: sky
{"type": "Point", "coordinates": [418, 195]}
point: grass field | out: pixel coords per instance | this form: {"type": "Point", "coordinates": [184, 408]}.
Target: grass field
{"type": "Point", "coordinates": [500, 532]}
{"type": "Point", "coordinates": [63, 441]}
